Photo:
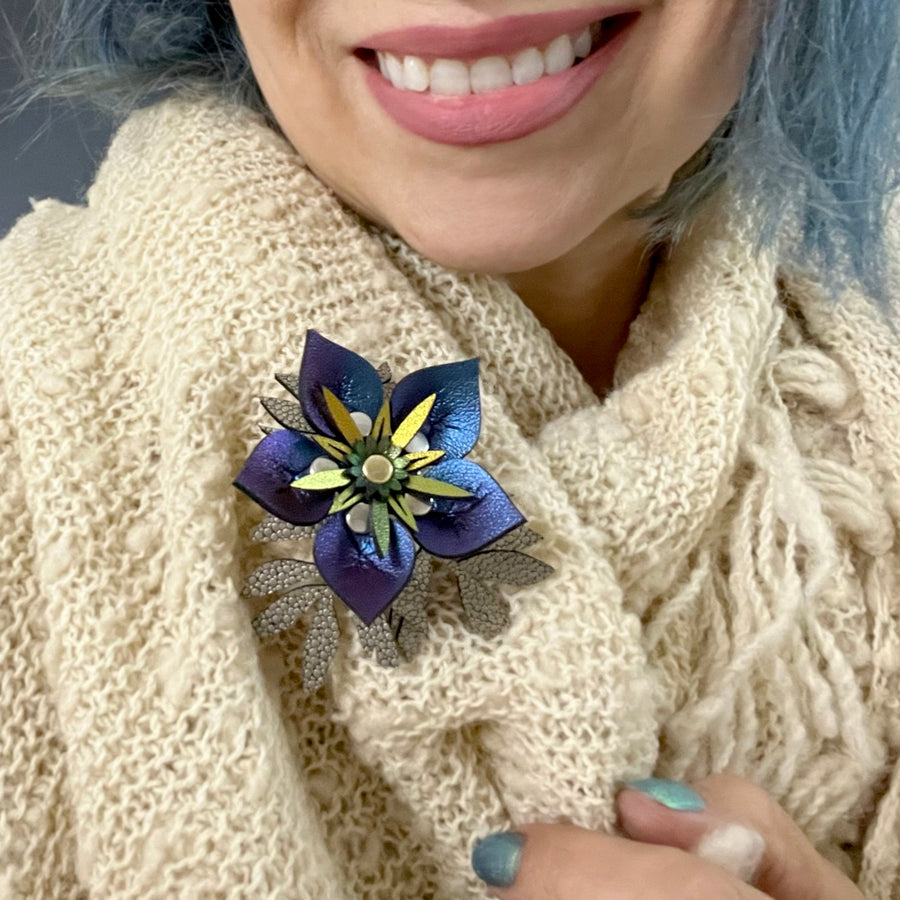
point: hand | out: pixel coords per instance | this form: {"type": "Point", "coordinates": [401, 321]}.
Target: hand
{"type": "Point", "coordinates": [736, 825]}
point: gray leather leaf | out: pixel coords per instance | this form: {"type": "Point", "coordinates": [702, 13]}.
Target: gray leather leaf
{"type": "Point", "coordinates": [378, 640]}
{"type": "Point", "coordinates": [321, 642]}
{"type": "Point", "coordinates": [271, 528]}
{"type": "Point", "coordinates": [520, 538]}
{"type": "Point", "coordinates": [284, 612]}
{"type": "Point", "coordinates": [407, 615]}
{"type": "Point", "coordinates": [280, 575]}
{"type": "Point", "coordinates": [285, 412]}
{"type": "Point", "coordinates": [289, 382]}
{"type": "Point", "coordinates": [504, 567]}
{"type": "Point", "coordinates": [487, 613]}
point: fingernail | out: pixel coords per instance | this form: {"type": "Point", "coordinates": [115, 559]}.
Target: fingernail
{"type": "Point", "coordinates": [735, 848]}
{"type": "Point", "coordinates": [496, 858]}
{"type": "Point", "coordinates": [671, 794]}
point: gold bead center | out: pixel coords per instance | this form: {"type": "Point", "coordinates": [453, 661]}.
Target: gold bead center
{"type": "Point", "coordinates": [378, 469]}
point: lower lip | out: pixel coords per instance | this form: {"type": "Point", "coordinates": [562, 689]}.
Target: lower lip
{"type": "Point", "coordinates": [504, 115]}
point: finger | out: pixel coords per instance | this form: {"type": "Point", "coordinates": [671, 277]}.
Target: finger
{"type": "Point", "coordinates": [657, 811]}
{"type": "Point", "coordinates": [562, 862]}
{"type": "Point", "coordinates": [781, 862]}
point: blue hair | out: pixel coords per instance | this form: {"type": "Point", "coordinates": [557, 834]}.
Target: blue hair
{"type": "Point", "coordinates": [121, 54]}
{"type": "Point", "coordinates": [812, 141]}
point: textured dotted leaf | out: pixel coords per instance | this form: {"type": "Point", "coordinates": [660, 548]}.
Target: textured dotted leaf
{"type": "Point", "coordinates": [271, 528]}
{"type": "Point", "coordinates": [520, 538]}
{"type": "Point", "coordinates": [378, 641]}
{"type": "Point", "coordinates": [289, 382]}
{"type": "Point", "coordinates": [284, 612]}
{"type": "Point", "coordinates": [505, 567]}
{"type": "Point", "coordinates": [487, 613]}
{"type": "Point", "coordinates": [318, 649]}
{"type": "Point", "coordinates": [278, 576]}
{"type": "Point", "coordinates": [407, 615]}
{"type": "Point", "coordinates": [285, 412]}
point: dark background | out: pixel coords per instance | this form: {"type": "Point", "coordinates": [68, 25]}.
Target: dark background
{"type": "Point", "coordinates": [50, 150]}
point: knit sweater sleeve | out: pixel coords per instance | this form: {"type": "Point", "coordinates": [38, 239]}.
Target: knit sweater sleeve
{"type": "Point", "coordinates": [37, 857]}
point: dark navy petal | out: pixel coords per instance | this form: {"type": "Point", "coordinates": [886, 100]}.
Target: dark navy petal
{"type": "Point", "coordinates": [459, 527]}
{"type": "Point", "coordinates": [455, 420]}
{"type": "Point", "coordinates": [278, 459]}
{"type": "Point", "coordinates": [351, 566]}
{"type": "Point", "coordinates": [346, 374]}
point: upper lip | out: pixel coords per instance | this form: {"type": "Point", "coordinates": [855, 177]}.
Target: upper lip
{"type": "Point", "coordinates": [501, 37]}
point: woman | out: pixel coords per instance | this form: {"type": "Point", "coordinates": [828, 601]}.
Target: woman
{"type": "Point", "coordinates": [661, 228]}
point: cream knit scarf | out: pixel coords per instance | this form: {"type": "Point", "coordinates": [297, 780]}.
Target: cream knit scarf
{"type": "Point", "coordinates": [722, 527]}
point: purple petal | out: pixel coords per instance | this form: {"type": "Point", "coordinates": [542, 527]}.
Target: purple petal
{"type": "Point", "coordinates": [351, 566]}
{"type": "Point", "coordinates": [278, 459]}
{"type": "Point", "coordinates": [346, 374]}
{"type": "Point", "coordinates": [459, 527]}
{"type": "Point", "coordinates": [455, 420]}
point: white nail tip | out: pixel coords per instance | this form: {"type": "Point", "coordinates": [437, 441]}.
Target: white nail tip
{"type": "Point", "coordinates": [735, 848]}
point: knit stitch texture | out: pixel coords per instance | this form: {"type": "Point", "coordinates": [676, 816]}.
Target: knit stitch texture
{"type": "Point", "coordinates": [723, 528]}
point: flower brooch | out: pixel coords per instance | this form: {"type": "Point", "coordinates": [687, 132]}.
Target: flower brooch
{"type": "Point", "coordinates": [375, 474]}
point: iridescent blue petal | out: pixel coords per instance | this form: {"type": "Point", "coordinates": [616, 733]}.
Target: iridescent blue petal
{"type": "Point", "coordinates": [351, 566]}
{"type": "Point", "coordinates": [278, 459]}
{"type": "Point", "coordinates": [459, 527]}
{"type": "Point", "coordinates": [455, 420]}
{"type": "Point", "coordinates": [346, 374]}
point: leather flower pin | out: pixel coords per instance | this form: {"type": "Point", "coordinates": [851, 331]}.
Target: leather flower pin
{"type": "Point", "coordinates": [375, 473]}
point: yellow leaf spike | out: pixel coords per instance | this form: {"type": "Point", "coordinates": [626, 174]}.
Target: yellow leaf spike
{"type": "Point", "coordinates": [434, 488]}
{"type": "Point", "coordinates": [413, 422]}
{"type": "Point", "coordinates": [420, 460]}
{"type": "Point", "coordinates": [382, 426]}
{"type": "Point", "coordinates": [327, 480]}
{"type": "Point", "coordinates": [344, 500]}
{"type": "Point", "coordinates": [335, 449]}
{"type": "Point", "coordinates": [398, 504]}
{"type": "Point", "coordinates": [342, 419]}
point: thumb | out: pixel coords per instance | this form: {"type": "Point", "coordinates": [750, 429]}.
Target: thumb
{"type": "Point", "coordinates": [735, 824]}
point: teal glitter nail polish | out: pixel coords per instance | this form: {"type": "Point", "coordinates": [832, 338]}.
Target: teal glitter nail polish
{"type": "Point", "coordinates": [496, 858]}
{"type": "Point", "coordinates": [671, 794]}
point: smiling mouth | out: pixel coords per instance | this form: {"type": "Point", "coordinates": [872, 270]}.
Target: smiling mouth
{"type": "Point", "coordinates": [448, 76]}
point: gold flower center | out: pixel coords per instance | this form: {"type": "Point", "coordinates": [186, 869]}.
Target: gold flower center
{"type": "Point", "coordinates": [378, 469]}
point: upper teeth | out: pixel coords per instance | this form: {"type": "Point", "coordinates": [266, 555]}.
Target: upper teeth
{"type": "Point", "coordinates": [453, 76]}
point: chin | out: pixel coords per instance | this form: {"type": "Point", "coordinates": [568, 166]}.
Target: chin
{"type": "Point", "coordinates": [490, 250]}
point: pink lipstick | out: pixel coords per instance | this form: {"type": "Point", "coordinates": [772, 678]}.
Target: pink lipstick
{"type": "Point", "coordinates": [507, 113]}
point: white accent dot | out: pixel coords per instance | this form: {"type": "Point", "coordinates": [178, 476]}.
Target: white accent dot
{"type": "Point", "coordinates": [418, 443]}
{"type": "Point", "coordinates": [322, 464]}
{"type": "Point", "coordinates": [363, 422]}
{"type": "Point", "coordinates": [416, 506]}
{"type": "Point", "coordinates": [358, 518]}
